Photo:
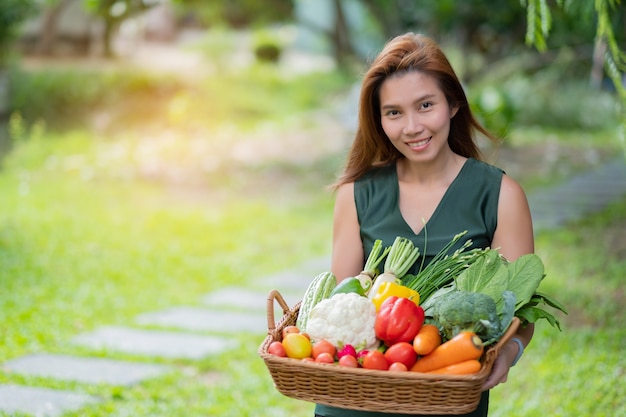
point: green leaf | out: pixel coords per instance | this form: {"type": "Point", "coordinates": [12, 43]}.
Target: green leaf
{"type": "Point", "coordinates": [488, 275]}
{"type": "Point", "coordinates": [539, 296]}
{"type": "Point", "coordinates": [533, 314]}
{"type": "Point", "coordinates": [525, 275]}
{"type": "Point", "coordinates": [538, 23]}
{"type": "Point", "coordinates": [508, 309]}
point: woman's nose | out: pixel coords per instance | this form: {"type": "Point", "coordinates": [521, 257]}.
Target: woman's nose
{"type": "Point", "coordinates": [413, 125]}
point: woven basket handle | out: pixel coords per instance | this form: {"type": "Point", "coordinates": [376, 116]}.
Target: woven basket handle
{"type": "Point", "coordinates": [507, 335]}
{"type": "Point", "coordinates": [274, 295]}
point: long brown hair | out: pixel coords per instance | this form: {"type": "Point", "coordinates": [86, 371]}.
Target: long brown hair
{"type": "Point", "coordinates": [405, 53]}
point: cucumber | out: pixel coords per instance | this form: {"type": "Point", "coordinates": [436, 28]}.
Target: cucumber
{"type": "Point", "coordinates": [319, 289]}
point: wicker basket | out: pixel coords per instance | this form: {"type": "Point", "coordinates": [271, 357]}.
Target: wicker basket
{"type": "Point", "coordinates": [368, 389]}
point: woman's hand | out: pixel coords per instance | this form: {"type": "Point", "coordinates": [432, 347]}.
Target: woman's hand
{"type": "Point", "coordinates": [501, 366]}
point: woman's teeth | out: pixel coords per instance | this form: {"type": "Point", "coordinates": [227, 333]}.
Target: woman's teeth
{"type": "Point", "coordinates": [419, 143]}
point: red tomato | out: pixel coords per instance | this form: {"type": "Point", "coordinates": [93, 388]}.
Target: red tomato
{"type": "Point", "coordinates": [325, 357]}
{"type": "Point", "coordinates": [276, 348]}
{"type": "Point", "coordinates": [290, 329]}
{"type": "Point", "coordinates": [401, 352]}
{"type": "Point", "coordinates": [374, 359]}
{"type": "Point", "coordinates": [297, 346]}
{"type": "Point", "coordinates": [323, 346]}
{"type": "Point", "coordinates": [398, 367]}
{"type": "Point", "coordinates": [348, 361]}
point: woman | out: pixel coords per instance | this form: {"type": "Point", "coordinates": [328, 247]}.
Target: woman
{"type": "Point", "coordinates": [414, 170]}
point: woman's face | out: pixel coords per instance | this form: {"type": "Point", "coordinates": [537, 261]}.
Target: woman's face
{"type": "Point", "coordinates": [415, 115]}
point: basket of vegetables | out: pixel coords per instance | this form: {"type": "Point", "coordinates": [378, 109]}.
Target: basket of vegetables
{"type": "Point", "coordinates": [421, 344]}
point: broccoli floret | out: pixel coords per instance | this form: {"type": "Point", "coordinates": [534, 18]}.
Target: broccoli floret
{"type": "Point", "coordinates": [459, 311]}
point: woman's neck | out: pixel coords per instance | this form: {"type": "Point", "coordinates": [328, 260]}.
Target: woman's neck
{"type": "Point", "coordinates": [441, 170]}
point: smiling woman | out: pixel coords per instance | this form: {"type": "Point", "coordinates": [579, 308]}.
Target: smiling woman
{"type": "Point", "coordinates": [414, 170]}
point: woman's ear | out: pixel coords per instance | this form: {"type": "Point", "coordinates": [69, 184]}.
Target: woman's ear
{"type": "Point", "coordinates": [453, 111]}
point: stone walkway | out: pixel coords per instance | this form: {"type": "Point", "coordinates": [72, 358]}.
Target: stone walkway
{"type": "Point", "coordinates": [187, 332]}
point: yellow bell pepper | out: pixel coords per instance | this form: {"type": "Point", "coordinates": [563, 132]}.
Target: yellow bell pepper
{"type": "Point", "coordinates": [388, 289]}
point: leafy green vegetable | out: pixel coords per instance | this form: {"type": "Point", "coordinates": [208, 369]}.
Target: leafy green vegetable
{"type": "Point", "coordinates": [493, 275]}
{"type": "Point", "coordinates": [525, 275]}
{"type": "Point", "coordinates": [508, 310]}
{"type": "Point", "coordinates": [549, 301]}
{"type": "Point", "coordinates": [530, 312]}
{"type": "Point", "coordinates": [488, 275]}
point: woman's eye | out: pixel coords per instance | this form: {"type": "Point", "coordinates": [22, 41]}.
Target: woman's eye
{"type": "Point", "coordinates": [427, 105]}
{"type": "Point", "coordinates": [392, 113]}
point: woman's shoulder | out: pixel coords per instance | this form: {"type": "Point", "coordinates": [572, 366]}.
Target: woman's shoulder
{"type": "Point", "coordinates": [478, 166]}
{"type": "Point", "coordinates": [376, 185]}
{"type": "Point", "coordinates": [476, 172]}
{"type": "Point", "coordinates": [374, 173]}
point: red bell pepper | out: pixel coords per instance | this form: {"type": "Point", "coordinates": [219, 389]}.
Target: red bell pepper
{"type": "Point", "coordinates": [399, 320]}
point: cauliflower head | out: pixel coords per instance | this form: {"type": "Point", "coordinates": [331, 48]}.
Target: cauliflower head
{"type": "Point", "coordinates": [344, 319]}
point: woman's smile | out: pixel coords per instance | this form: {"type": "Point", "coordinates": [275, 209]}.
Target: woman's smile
{"type": "Point", "coordinates": [418, 145]}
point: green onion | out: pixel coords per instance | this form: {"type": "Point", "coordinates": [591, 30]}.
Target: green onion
{"type": "Point", "coordinates": [401, 258]}
{"type": "Point", "coordinates": [443, 268]}
{"type": "Point", "coordinates": [369, 271]}
{"type": "Point", "coordinates": [373, 260]}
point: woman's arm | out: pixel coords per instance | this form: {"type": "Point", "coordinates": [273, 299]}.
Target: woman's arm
{"type": "Point", "coordinates": [514, 232]}
{"type": "Point", "coordinates": [514, 238]}
{"type": "Point", "coordinates": [347, 253]}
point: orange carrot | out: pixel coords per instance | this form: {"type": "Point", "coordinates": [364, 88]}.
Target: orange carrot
{"type": "Point", "coordinates": [462, 368]}
{"type": "Point", "coordinates": [462, 347]}
{"type": "Point", "coordinates": [427, 339]}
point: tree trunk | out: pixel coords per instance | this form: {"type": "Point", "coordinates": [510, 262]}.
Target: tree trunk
{"type": "Point", "coordinates": [107, 37]}
{"type": "Point", "coordinates": [48, 32]}
{"type": "Point", "coordinates": [5, 100]}
{"type": "Point", "coordinates": [341, 36]}
{"type": "Point", "coordinates": [597, 69]}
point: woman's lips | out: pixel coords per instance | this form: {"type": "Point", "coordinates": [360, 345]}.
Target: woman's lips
{"type": "Point", "coordinates": [420, 143]}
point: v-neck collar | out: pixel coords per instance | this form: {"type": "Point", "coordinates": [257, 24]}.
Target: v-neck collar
{"type": "Point", "coordinates": [437, 210]}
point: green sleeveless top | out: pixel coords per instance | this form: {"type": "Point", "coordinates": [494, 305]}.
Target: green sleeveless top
{"type": "Point", "coordinates": [470, 203]}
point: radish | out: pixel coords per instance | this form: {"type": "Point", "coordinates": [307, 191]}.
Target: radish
{"type": "Point", "coordinates": [346, 350]}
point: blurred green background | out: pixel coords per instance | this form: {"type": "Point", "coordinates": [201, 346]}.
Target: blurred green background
{"type": "Point", "coordinates": [153, 147]}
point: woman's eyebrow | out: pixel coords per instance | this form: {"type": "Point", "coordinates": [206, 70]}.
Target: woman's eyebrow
{"type": "Point", "coordinates": [417, 100]}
